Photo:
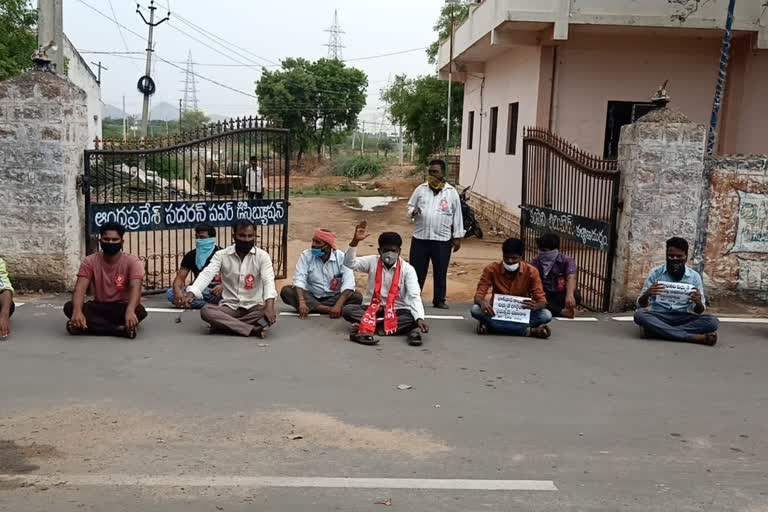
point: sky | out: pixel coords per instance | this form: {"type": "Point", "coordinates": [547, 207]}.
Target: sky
{"type": "Point", "coordinates": [262, 32]}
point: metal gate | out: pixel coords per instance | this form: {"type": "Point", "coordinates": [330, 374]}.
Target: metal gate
{"type": "Point", "coordinates": [160, 188]}
{"type": "Point", "coordinates": [573, 194]}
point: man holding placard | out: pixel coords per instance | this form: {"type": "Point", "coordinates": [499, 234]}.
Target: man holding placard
{"type": "Point", "coordinates": [674, 294]}
{"type": "Point", "coordinates": [518, 303]}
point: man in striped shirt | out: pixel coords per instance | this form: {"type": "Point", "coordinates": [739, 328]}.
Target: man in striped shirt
{"type": "Point", "coordinates": [438, 228]}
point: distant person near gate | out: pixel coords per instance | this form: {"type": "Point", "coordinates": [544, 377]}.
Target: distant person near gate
{"type": "Point", "coordinates": [558, 274]}
{"type": "Point", "coordinates": [674, 293]}
{"type": "Point", "coordinates": [195, 261]}
{"type": "Point", "coordinates": [7, 306]}
{"type": "Point", "coordinates": [247, 307]}
{"type": "Point", "coordinates": [255, 180]}
{"type": "Point", "coordinates": [116, 278]}
{"type": "Point", "coordinates": [518, 305]}
{"type": "Point", "coordinates": [322, 283]}
{"type": "Point", "coordinates": [438, 228]}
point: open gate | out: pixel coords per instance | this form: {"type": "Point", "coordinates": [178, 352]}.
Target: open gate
{"type": "Point", "coordinates": [160, 188]}
{"type": "Point", "coordinates": [573, 194]}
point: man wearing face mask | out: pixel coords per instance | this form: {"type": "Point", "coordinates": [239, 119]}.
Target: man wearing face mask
{"type": "Point", "coordinates": [195, 261]}
{"type": "Point", "coordinates": [392, 304]}
{"type": "Point", "coordinates": [247, 307]}
{"type": "Point", "coordinates": [438, 228]}
{"type": "Point", "coordinates": [672, 316]}
{"type": "Point", "coordinates": [116, 278]}
{"type": "Point", "coordinates": [512, 276]}
{"type": "Point", "coordinates": [558, 275]}
{"type": "Point", "coordinates": [322, 283]}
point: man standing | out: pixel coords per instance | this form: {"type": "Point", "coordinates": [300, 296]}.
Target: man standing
{"type": "Point", "coordinates": [392, 304]}
{"type": "Point", "coordinates": [558, 274]}
{"type": "Point", "coordinates": [247, 307]}
{"type": "Point", "coordinates": [322, 284]}
{"type": "Point", "coordinates": [195, 261]}
{"type": "Point", "coordinates": [675, 294]}
{"type": "Point", "coordinates": [7, 307]}
{"type": "Point", "coordinates": [438, 229]}
{"type": "Point", "coordinates": [255, 180]}
{"type": "Point", "coordinates": [512, 276]}
{"type": "Point", "coordinates": [116, 278]}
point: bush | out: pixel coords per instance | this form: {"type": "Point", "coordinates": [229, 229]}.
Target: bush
{"type": "Point", "coordinates": [354, 166]}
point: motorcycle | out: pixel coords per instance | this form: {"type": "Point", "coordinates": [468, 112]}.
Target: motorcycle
{"type": "Point", "coordinates": [471, 226]}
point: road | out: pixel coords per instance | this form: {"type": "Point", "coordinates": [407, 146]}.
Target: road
{"type": "Point", "coordinates": [594, 419]}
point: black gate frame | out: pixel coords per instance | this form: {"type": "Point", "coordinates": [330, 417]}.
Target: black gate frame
{"type": "Point", "coordinates": [167, 214]}
{"type": "Point", "coordinates": [575, 195]}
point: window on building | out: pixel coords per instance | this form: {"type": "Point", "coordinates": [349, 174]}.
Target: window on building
{"type": "Point", "coordinates": [493, 129]}
{"type": "Point", "coordinates": [470, 129]}
{"type": "Point", "coordinates": [514, 109]}
{"type": "Point", "coordinates": [621, 113]}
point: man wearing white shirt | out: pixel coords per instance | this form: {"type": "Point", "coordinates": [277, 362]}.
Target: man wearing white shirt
{"type": "Point", "coordinates": [322, 283]}
{"type": "Point", "coordinates": [255, 180]}
{"type": "Point", "coordinates": [247, 305]}
{"type": "Point", "coordinates": [438, 228]}
{"type": "Point", "coordinates": [392, 304]}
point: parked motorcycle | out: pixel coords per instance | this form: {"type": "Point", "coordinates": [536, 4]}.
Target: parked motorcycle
{"type": "Point", "coordinates": [471, 226]}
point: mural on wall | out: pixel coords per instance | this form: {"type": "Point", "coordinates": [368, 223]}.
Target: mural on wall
{"type": "Point", "coordinates": [752, 223]}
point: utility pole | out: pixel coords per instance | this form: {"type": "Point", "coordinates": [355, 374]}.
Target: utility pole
{"type": "Point", "coordinates": [50, 34]}
{"type": "Point", "coordinates": [125, 120]}
{"type": "Point", "coordinates": [98, 76]}
{"type": "Point", "coordinates": [450, 83]}
{"type": "Point", "coordinates": [400, 136]}
{"type": "Point", "coordinates": [354, 139]}
{"type": "Point", "coordinates": [146, 85]}
{"type": "Point", "coordinates": [180, 114]}
{"type": "Point", "coordinates": [362, 145]}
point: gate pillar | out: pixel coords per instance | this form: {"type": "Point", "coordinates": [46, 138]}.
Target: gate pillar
{"type": "Point", "coordinates": [661, 159]}
{"type": "Point", "coordinates": [43, 132]}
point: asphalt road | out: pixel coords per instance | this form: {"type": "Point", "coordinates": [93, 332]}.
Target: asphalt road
{"type": "Point", "coordinates": [595, 418]}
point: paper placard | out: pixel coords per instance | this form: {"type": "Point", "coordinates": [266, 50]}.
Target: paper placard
{"type": "Point", "coordinates": [675, 294]}
{"type": "Point", "coordinates": [509, 308]}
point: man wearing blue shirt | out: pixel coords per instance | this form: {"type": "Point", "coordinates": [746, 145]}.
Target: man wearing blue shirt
{"type": "Point", "coordinates": [322, 284]}
{"type": "Point", "coordinates": [674, 294]}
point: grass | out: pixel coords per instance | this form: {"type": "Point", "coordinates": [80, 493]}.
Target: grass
{"type": "Point", "coordinates": [343, 189]}
{"type": "Point", "coordinates": [355, 166]}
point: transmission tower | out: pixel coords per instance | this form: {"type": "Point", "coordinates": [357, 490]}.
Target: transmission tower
{"type": "Point", "coordinates": [190, 86]}
{"type": "Point", "coordinates": [334, 41]}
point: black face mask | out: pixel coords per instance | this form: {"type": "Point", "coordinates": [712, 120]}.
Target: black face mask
{"type": "Point", "coordinates": [243, 247]}
{"type": "Point", "coordinates": [676, 268]}
{"type": "Point", "coordinates": [110, 249]}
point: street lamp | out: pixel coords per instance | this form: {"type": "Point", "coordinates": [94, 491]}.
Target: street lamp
{"type": "Point", "coordinates": [452, 4]}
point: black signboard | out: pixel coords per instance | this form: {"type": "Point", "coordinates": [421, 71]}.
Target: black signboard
{"type": "Point", "coordinates": [186, 214]}
{"type": "Point", "coordinates": [589, 232]}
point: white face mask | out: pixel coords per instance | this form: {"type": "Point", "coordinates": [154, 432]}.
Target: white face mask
{"type": "Point", "coordinates": [512, 268]}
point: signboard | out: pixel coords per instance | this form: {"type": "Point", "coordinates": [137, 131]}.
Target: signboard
{"type": "Point", "coordinates": [509, 308]}
{"type": "Point", "coordinates": [588, 232]}
{"type": "Point", "coordinates": [752, 227]}
{"type": "Point", "coordinates": [152, 216]}
{"type": "Point", "coordinates": [674, 294]}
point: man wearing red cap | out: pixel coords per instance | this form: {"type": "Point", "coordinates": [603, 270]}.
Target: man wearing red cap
{"type": "Point", "coordinates": [322, 284]}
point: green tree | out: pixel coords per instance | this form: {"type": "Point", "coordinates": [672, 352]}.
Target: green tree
{"type": "Point", "coordinates": [421, 106]}
{"type": "Point", "coordinates": [386, 145]}
{"type": "Point", "coordinates": [192, 120]}
{"type": "Point", "coordinates": [318, 101]}
{"type": "Point", "coordinates": [18, 40]}
{"type": "Point", "coordinates": [443, 25]}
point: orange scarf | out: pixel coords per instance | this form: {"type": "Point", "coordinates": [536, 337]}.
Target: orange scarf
{"type": "Point", "coordinates": [368, 323]}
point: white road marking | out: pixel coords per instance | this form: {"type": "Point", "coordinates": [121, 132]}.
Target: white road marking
{"type": "Point", "coordinates": [166, 310]}
{"type": "Point", "coordinates": [288, 313]}
{"type": "Point", "coordinates": [443, 317]}
{"type": "Point", "coordinates": [744, 320]}
{"type": "Point", "coordinates": [624, 318]}
{"type": "Point", "coordinates": [285, 481]}
{"type": "Point", "coordinates": [579, 319]}
{"type": "Point", "coordinates": [19, 304]}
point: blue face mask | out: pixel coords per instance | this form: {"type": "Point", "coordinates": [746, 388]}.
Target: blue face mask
{"type": "Point", "coordinates": [204, 248]}
{"type": "Point", "coordinates": [317, 253]}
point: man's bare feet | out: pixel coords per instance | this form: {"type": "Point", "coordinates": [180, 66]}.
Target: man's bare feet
{"type": "Point", "coordinates": [709, 340]}
{"type": "Point", "coordinates": [482, 328]}
{"type": "Point", "coordinates": [541, 332]}
{"type": "Point", "coordinates": [568, 313]}
{"type": "Point", "coordinates": [260, 332]}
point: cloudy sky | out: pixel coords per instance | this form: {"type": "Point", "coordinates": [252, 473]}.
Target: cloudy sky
{"type": "Point", "coordinates": [249, 34]}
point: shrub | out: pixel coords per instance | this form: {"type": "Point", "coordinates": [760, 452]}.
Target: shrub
{"type": "Point", "coordinates": [354, 166]}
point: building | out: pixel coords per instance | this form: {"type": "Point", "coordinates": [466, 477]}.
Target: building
{"type": "Point", "coordinates": [584, 68]}
{"type": "Point", "coordinates": [80, 74]}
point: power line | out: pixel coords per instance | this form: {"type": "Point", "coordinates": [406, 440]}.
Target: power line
{"type": "Point", "coordinates": [215, 49]}
{"type": "Point", "coordinates": [120, 30]}
{"type": "Point", "coordinates": [386, 54]}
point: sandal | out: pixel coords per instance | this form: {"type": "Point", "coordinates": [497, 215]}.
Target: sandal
{"type": "Point", "coordinates": [414, 338]}
{"type": "Point", "coordinates": [74, 331]}
{"type": "Point", "coordinates": [711, 339]}
{"type": "Point", "coordinates": [363, 339]}
{"type": "Point", "coordinates": [481, 329]}
{"type": "Point", "coordinates": [542, 332]}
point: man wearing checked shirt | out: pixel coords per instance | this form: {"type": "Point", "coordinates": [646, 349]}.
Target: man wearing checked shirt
{"type": "Point", "coordinates": [438, 228]}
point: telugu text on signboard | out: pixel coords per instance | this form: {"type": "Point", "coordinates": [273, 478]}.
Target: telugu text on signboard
{"type": "Point", "coordinates": [588, 232]}
{"type": "Point", "coordinates": [675, 294]}
{"type": "Point", "coordinates": [509, 308]}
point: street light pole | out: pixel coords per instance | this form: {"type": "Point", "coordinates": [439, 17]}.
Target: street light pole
{"type": "Point", "coordinates": [450, 84]}
{"type": "Point", "coordinates": [150, 48]}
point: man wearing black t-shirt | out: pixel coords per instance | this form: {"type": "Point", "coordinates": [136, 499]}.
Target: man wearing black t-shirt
{"type": "Point", "coordinates": [195, 261]}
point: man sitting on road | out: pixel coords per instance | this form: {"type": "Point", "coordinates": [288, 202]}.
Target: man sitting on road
{"type": "Point", "coordinates": [322, 284]}
{"type": "Point", "coordinates": [195, 261]}
{"type": "Point", "coordinates": [7, 307]}
{"type": "Point", "coordinates": [675, 294]}
{"type": "Point", "coordinates": [512, 276]}
{"type": "Point", "coordinates": [392, 303]}
{"type": "Point", "coordinates": [558, 274]}
{"type": "Point", "coordinates": [247, 307]}
{"type": "Point", "coordinates": [116, 278]}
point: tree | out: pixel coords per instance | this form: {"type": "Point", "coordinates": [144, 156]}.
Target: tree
{"type": "Point", "coordinates": [421, 106]}
{"type": "Point", "coordinates": [443, 25]}
{"type": "Point", "coordinates": [192, 120]}
{"type": "Point", "coordinates": [318, 101]}
{"type": "Point", "coordinates": [18, 41]}
{"type": "Point", "coordinates": [386, 145]}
